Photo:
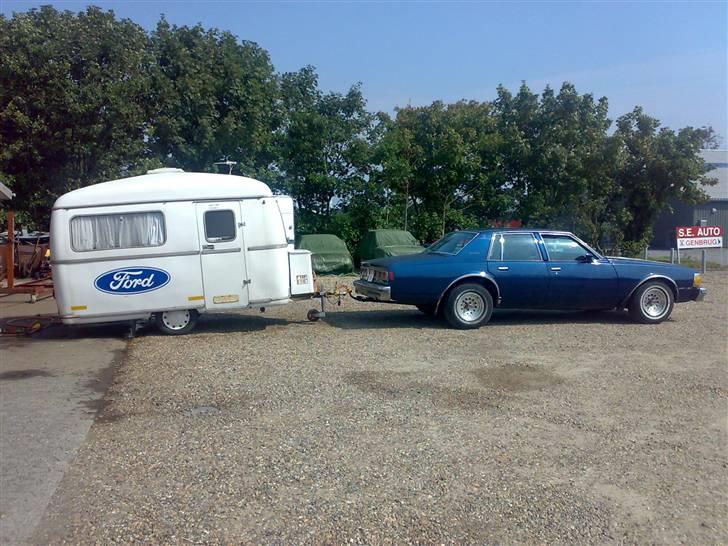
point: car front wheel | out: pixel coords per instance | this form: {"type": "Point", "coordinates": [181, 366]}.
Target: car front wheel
{"type": "Point", "coordinates": [177, 322]}
{"type": "Point", "coordinates": [468, 306]}
{"type": "Point", "coordinates": [651, 303]}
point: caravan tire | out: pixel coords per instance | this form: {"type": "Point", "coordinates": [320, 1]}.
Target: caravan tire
{"type": "Point", "coordinates": [176, 323]}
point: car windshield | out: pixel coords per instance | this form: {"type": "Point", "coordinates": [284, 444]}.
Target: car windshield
{"type": "Point", "coordinates": [452, 243]}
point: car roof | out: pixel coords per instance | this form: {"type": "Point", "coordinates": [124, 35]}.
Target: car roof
{"type": "Point", "coordinates": [521, 230]}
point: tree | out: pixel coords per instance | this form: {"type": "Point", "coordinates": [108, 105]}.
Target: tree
{"type": "Point", "coordinates": [660, 166]}
{"type": "Point", "coordinates": [324, 147]}
{"type": "Point", "coordinates": [72, 102]}
{"type": "Point", "coordinates": [555, 153]}
{"type": "Point", "coordinates": [212, 97]}
{"type": "Point", "coordinates": [441, 159]}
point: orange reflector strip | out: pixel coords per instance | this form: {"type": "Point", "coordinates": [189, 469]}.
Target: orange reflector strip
{"type": "Point", "coordinates": [78, 307]}
{"type": "Point", "coordinates": [195, 298]}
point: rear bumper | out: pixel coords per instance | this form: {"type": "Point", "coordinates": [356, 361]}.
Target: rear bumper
{"type": "Point", "coordinates": [373, 290]}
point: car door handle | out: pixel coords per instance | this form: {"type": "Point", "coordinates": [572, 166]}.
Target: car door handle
{"type": "Point", "coordinates": [555, 269]}
{"type": "Point", "coordinates": [208, 247]}
{"type": "Point", "coordinates": [503, 268]}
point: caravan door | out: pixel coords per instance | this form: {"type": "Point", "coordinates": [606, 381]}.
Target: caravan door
{"type": "Point", "coordinates": [222, 258]}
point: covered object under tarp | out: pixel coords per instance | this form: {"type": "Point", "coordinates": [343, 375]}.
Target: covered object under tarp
{"type": "Point", "coordinates": [330, 255]}
{"type": "Point", "coordinates": [379, 243]}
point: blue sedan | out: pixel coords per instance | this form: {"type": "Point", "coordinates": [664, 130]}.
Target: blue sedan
{"type": "Point", "coordinates": [466, 274]}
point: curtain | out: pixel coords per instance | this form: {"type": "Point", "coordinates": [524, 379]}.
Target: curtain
{"type": "Point", "coordinates": [108, 231]}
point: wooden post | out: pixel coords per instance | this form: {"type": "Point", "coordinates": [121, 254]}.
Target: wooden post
{"type": "Point", "coordinates": [10, 259]}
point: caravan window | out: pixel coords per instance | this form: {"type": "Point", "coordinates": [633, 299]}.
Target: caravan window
{"type": "Point", "coordinates": [111, 231]}
{"type": "Point", "coordinates": [219, 226]}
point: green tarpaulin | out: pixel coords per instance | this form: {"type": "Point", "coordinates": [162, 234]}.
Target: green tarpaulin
{"type": "Point", "coordinates": [330, 255]}
{"type": "Point", "coordinates": [379, 243]}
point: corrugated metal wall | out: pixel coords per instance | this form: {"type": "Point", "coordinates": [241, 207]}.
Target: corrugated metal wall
{"type": "Point", "coordinates": [716, 214]}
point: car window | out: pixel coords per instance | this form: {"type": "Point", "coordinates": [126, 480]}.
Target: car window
{"type": "Point", "coordinates": [452, 243]}
{"type": "Point", "coordinates": [515, 247]}
{"type": "Point", "coordinates": [563, 248]}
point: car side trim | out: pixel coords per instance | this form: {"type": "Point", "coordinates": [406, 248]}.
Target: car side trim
{"type": "Point", "coordinates": [481, 275]}
{"type": "Point", "coordinates": [671, 282]}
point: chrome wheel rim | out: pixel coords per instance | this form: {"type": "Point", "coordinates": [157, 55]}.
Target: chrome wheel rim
{"type": "Point", "coordinates": [176, 320]}
{"type": "Point", "coordinates": [655, 302]}
{"type": "Point", "coordinates": [470, 306]}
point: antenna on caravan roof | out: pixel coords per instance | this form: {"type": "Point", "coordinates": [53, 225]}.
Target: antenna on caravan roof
{"type": "Point", "coordinates": [229, 163]}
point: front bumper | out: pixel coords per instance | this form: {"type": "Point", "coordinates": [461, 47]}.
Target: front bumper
{"type": "Point", "coordinates": [373, 290]}
{"type": "Point", "coordinates": [691, 294]}
{"type": "Point", "coordinates": [700, 296]}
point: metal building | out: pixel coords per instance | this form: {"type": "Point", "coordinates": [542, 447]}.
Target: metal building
{"type": "Point", "coordinates": [712, 213]}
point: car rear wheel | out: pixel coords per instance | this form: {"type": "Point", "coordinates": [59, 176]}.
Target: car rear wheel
{"type": "Point", "coordinates": [468, 306]}
{"type": "Point", "coordinates": [651, 303]}
{"type": "Point", "coordinates": [176, 323]}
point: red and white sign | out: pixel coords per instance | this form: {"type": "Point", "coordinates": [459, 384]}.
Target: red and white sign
{"type": "Point", "coordinates": [700, 237]}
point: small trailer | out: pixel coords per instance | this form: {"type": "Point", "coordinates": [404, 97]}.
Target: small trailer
{"type": "Point", "coordinates": [170, 245]}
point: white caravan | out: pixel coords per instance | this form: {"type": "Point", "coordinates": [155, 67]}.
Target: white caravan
{"type": "Point", "coordinates": [169, 245]}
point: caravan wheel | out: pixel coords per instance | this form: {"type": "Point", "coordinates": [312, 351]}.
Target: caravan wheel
{"type": "Point", "coordinates": [176, 323]}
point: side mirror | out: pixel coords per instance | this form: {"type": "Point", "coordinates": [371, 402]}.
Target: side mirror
{"type": "Point", "coordinates": [586, 258]}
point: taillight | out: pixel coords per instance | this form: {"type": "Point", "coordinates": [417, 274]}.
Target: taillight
{"type": "Point", "coordinates": [391, 276]}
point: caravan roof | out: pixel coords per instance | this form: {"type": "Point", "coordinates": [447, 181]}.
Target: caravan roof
{"type": "Point", "coordinates": [164, 186]}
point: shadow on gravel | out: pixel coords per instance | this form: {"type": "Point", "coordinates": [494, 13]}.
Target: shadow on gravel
{"type": "Point", "coordinates": [398, 318]}
{"type": "Point", "coordinates": [222, 323]}
{"type": "Point", "coordinates": [61, 332]}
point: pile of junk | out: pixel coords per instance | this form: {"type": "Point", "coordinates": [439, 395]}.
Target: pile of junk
{"type": "Point", "coordinates": [25, 266]}
{"type": "Point", "coordinates": [31, 254]}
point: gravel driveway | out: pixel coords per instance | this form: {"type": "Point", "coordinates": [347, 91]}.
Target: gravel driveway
{"type": "Point", "coordinates": [380, 425]}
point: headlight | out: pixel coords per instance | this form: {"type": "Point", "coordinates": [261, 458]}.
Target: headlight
{"type": "Point", "coordinates": [697, 279]}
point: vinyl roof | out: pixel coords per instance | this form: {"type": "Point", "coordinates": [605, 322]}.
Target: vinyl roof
{"type": "Point", "coordinates": [163, 186]}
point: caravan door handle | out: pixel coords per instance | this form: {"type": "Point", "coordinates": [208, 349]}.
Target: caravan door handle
{"type": "Point", "coordinates": [208, 247]}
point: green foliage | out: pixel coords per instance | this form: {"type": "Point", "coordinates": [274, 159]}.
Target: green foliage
{"type": "Point", "coordinates": [87, 97]}
{"type": "Point", "coordinates": [324, 149]}
{"type": "Point", "coordinates": [659, 165]}
{"type": "Point", "coordinates": [72, 102]}
{"type": "Point", "coordinates": [210, 97]}
{"type": "Point", "coordinates": [440, 160]}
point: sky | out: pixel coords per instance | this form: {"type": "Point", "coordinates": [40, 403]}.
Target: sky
{"type": "Point", "coordinates": [669, 57]}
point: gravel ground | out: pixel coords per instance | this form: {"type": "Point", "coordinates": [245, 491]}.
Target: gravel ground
{"type": "Point", "coordinates": [380, 425]}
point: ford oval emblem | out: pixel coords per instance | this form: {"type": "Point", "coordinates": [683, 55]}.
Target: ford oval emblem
{"type": "Point", "coordinates": [131, 280]}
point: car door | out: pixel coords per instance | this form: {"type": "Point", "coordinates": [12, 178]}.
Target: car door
{"type": "Point", "coordinates": [516, 263]}
{"type": "Point", "coordinates": [575, 280]}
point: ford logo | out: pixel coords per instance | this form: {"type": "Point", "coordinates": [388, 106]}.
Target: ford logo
{"type": "Point", "coordinates": [131, 280]}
